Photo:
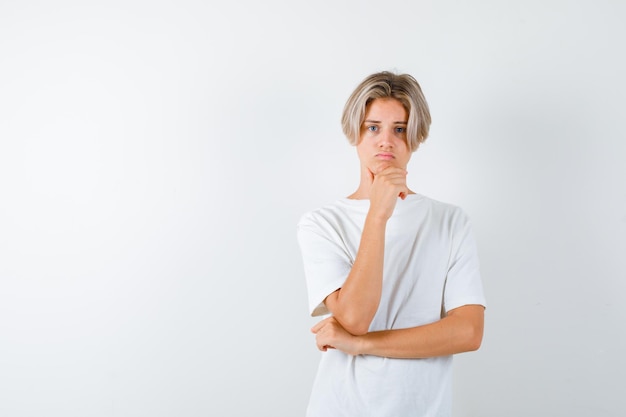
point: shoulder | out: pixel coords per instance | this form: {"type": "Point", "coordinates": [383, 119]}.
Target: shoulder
{"type": "Point", "coordinates": [316, 216]}
{"type": "Point", "coordinates": [447, 218]}
{"type": "Point", "coordinates": [443, 209]}
{"type": "Point", "coordinates": [334, 213]}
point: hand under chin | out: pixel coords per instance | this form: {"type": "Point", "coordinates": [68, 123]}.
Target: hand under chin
{"type": "Point", "coordinates": [380, 166]}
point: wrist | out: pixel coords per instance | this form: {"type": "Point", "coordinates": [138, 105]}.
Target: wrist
{"type": "Point", "coordinates": [362, 344]}
{"type": "Point", "coordinates": [376, 220]}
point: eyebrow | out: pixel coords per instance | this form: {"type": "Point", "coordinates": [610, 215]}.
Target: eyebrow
{"type": "Point", "coordinates": [378, 121]}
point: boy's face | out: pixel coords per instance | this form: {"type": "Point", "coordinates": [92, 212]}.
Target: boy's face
{"type": "Point", "coordinates": [383, 141]}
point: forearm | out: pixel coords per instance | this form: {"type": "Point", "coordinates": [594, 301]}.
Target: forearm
{"type": "Point", "coordinates": [461, 331]}
{"type": "Point", "coordinates": [355, 304]}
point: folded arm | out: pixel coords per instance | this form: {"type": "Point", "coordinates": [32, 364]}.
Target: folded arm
{"type": "Point", "coordinates": [460, 331]}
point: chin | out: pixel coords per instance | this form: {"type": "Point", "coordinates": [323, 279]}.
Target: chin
{"type": "Point", "coordinates": [381, 165]}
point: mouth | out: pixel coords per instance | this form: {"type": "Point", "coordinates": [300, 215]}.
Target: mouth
{"type": "Point", "coordinates": [385, 156]}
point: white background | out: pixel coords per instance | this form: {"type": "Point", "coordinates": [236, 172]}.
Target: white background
{"type": "Point", "coordinates": [155, 157]}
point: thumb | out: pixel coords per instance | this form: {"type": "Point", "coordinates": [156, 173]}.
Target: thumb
{"type": "Point", "coordinates": [370, 175]}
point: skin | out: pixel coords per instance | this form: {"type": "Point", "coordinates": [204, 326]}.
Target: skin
{"type": "Point", "coordinates": [383, 154]}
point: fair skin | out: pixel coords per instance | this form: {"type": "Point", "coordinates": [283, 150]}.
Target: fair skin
{"type": "Point", "coordinates": [384, 154]}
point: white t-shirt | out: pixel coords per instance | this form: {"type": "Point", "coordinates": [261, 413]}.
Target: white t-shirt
{"type": "Point", "coordinates": [430, 267]}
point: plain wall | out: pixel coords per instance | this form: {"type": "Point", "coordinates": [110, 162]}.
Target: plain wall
{"type": "Point", "coordinates": [155, 157]}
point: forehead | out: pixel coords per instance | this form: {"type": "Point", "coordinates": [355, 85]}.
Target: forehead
{"type": "Point", "coordinates": [386, 108]}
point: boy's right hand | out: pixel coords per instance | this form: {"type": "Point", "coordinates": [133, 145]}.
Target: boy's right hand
{"type": "Point", "coordinates": [386, 186]}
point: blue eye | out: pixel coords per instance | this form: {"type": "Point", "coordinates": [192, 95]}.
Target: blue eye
{"type": "Point", "coordinates": [400, 129]}
{"type": "Point", "coordinates": [372, 128]}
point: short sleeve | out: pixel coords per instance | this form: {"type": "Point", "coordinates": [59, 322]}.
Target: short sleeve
{"type": "Point", "coordinates": [463, 282]}
{"type": "Point", "coordinates": [326, 263]}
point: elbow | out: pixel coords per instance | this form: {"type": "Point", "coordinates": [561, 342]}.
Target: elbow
{"type": "Point", "coordinates": [355, 321]}
{"type": "Point", "coordinates": [469, 326]}
{"type": "Point", "coordinates": [354, 325]}
{"type": "Point", "coordinates": [474, 338]}
{"type": "Point", "coordinates": [474, 343]}
{"type": "Point", "coordinates": [358, 328]}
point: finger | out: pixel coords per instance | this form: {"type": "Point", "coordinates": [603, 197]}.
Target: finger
{"type": "Point", "coordinates": [391, 177]}
{"type": "Point", "coordinates": [397, 185]}
{"type": "Point", "coordinates": [321, 347]}
{"type": "Point", "coordinates": [320, 324]}
{"type": "Point", "coordinates": [317, 327]}
{"type": "Point", "coordinates": [379, 168]}
{"type": "Point", "coordinates": [387, 169]}
{"type": "Point", "coordinates": [394, 179]}
{"type": "Point", "coordinates": [322, 343]}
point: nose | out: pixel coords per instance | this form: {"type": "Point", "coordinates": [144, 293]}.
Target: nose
{"type": "Point", "coordinates": [385, 139]}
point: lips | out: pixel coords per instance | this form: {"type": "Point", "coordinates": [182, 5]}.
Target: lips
{"type": "Point", "coordinates": [385, 156]}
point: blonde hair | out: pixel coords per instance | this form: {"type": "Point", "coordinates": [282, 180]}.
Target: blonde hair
{"type": "Point", "coordinates": [402, 87]}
